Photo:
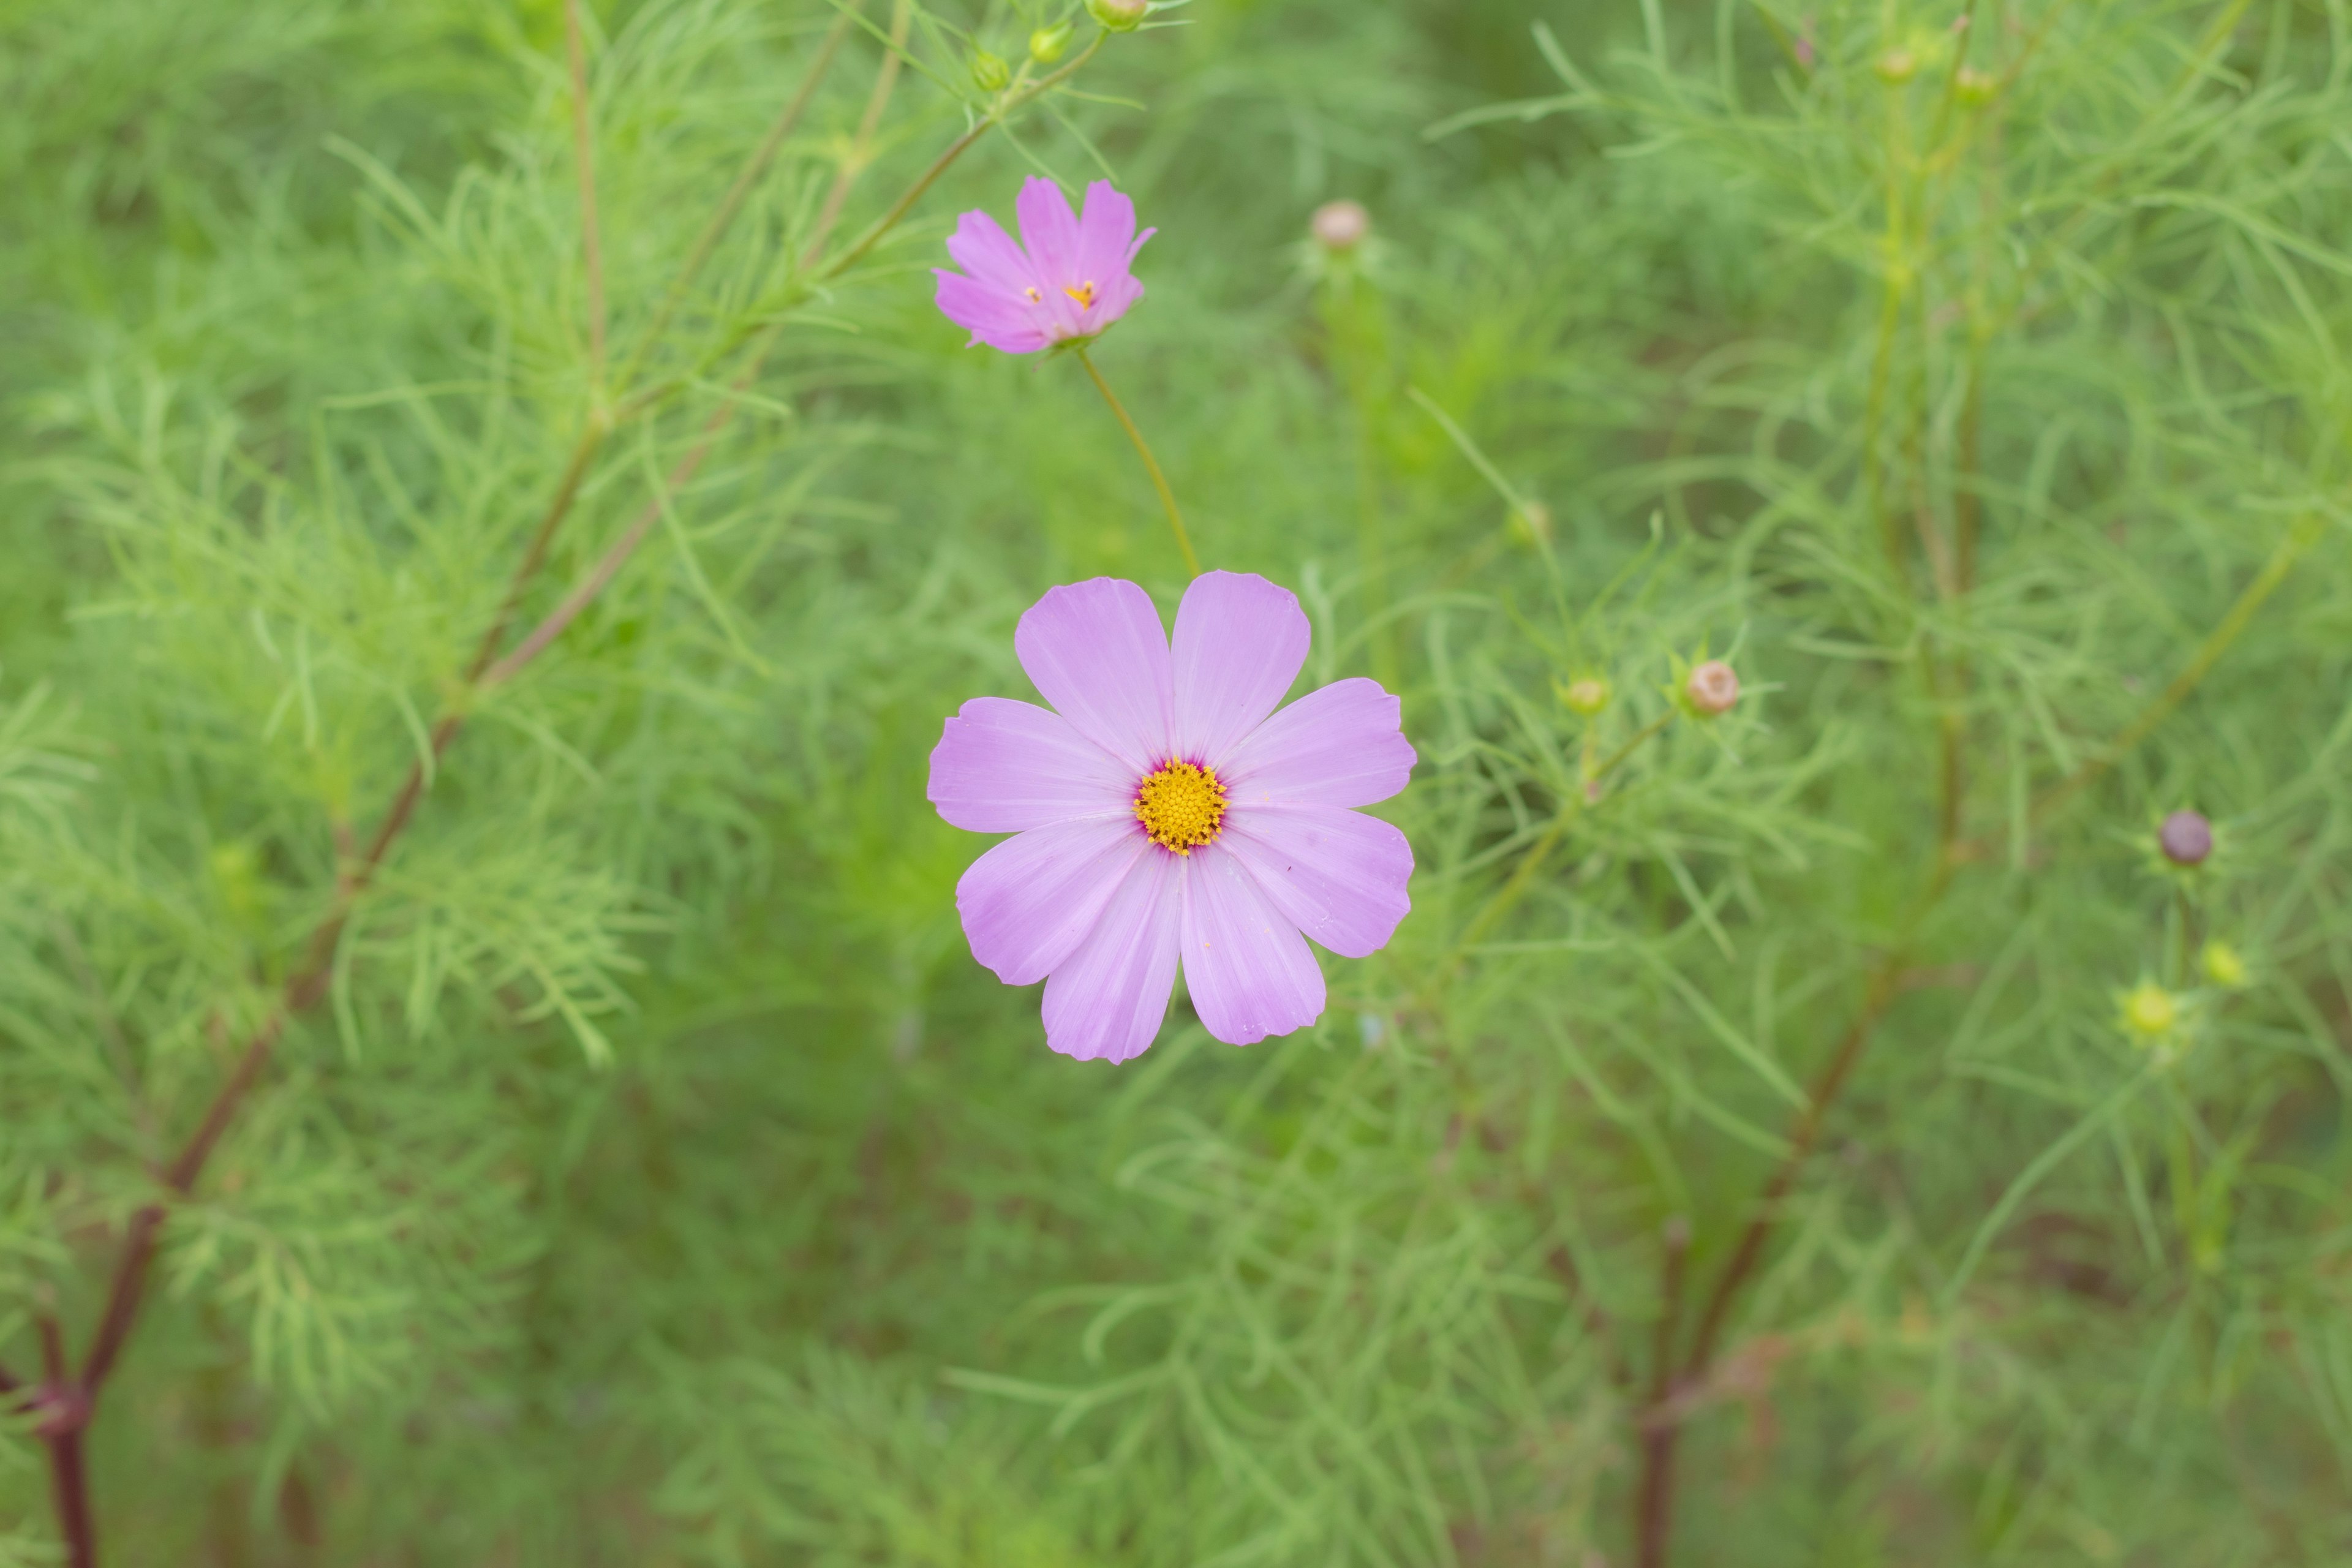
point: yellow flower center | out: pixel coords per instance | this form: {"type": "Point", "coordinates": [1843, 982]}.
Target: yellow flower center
{"type": "Point", "coordinates": [1084, 294]}
{"type": "Point", "coordinates": [1180, 805]}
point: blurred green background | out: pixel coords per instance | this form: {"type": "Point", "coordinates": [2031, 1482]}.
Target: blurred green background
{"type": "Point", "coordinates": [658, 1180]}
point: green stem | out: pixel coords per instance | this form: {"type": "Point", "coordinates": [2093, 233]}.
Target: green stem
{"type": "Point", "coordinates": [2299, 538]}
{"type": "Point", "coordinates": [1540, 850]}
{"type": "Point", "coordinates": [1158, 479]}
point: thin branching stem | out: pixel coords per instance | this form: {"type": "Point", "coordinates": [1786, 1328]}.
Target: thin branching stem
{"type": "Point", "coordinates": [77, 1396]}
{"type": "Point", "coordinates": [2300, 537]}
{"type": "Point", "coordinates": [747, 180]}
{"type": "Point", "coordinates": [1885, 985]}
{"type": "Point", "coordinates": [1151, 463]}
{"type": "Point", "coordinates": [583, 157]}
{"type": "Point", "coordinates": [861, 148]}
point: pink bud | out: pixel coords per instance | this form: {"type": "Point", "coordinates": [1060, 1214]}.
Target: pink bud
{"type": "Point", "coordinates": [2186, 839]}
{"type": "Point", "coordinates": [1712, 687]}
{"type": "Point", "coordinates": [1341, 226]}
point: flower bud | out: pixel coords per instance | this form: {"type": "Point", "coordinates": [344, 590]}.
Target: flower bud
{"type": "Point", "coordinates": [1339, 226]}
{"type": "Point", "coordinates": [2186, 839]}
{"type": "Point", "coordinates": [2223, 965]}
{"type": "Point", "coordinates": [1975, 87]}
{"type": "Point", "coordinates": [989, 71]}
{"type": "Point", "coordinates": [1586, 695]}
{"type": "Point", "coordinates": [2149, 1011]}
{"type": "Point", "coordinates": [1896, 67]}
{"type": "Point", "coordinates": [1531, 523]}
{"type": "Point", "coordinates": [1712, 687]}
{"type": "Point", "coordinates": [1119, 15]}
{"type": "Point", "coordinates": [1048, 44]}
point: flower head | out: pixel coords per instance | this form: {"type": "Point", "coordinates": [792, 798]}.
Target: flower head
{"type": "Point", "coordinates": [1064, 282]}
{"type": "Point", "coordinates": [1165, 813]}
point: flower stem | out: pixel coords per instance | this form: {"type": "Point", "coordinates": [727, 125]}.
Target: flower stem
{"type": "Point", "coordinates": [1158, 479]}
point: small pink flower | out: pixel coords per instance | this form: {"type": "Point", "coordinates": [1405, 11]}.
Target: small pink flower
{"type": "Point", "coordinates": [1064, 283]}
{"type": "Point", "coordinates": [1164, 811]}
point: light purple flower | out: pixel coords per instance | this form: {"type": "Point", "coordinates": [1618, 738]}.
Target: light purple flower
{"type": "Point", "coordinates": [1065, 281]}
{"type": "Point", "coordinates": [1164, 811]}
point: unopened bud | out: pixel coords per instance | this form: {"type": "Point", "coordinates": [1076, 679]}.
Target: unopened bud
{"type": "Point", "coordinates": [1587, 695]}
{"type": "Point", "coordinates": [1896, 67]}
{"type": "Point", "coordinates": [1119, 15]}
{"type": "Point", "coordinates": [2223, 965]}
{"type": "Point", "coordinates": [1712, 687]}
{"type": "Point", "coordinates": [1531, 523]}
{"type": "Point", "coordinates": [2186, 839]}
{"type": "Point", "coordinates": [1975, 87]}
{"type": "Point", "coordinates": [1340, 226]}
{"type": "Point", "coordinates": [1048, 44]}
{"type": "Point", "coordinates": [2150, 1011]}
{"type": "Point", "coordinates": [989, 72]}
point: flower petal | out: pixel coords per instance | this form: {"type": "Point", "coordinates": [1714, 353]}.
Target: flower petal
{"type": "Point", "coordinates": [1049, 232]}
{"type": "Point", "coordinates": [1096, 651]}
{"type": "Point", "coordinates": [1028, 902]}
{"type": "Point", "coordinates": [988, 315]}
{"type": "Point", "coordinates": [1003, 766]}
{"type": "Point", "coordinates": [1106, 231]}
{"type": "Point", "coordinates": [1108, 999]}
{"type": "Point", "coordinates": [981, 248]}
{"type": "Point", "coordinates": [1337, 746]}
{"type": "Point", "coordinates": [1338, 876]}
{"type": "Point", "coordinates": [1248, 969]}
{"type": "Point", "coordinates": [1240, 641]}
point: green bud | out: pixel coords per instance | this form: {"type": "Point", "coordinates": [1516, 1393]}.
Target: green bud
{"type": "Point", "coordinates": [1119, 15]}
{"type": "Point", "coordinates": [2223, 965]}
{"type": "Point", "coordinates": [2150, 1012]}
{"type": "Point", "coordinates": [1975, 87]}
{"type": "Point", "coordinates": [1531, 523]}
{"type": "Point", "coordinates": [1896, 67]}
{"type": "Point", "coordinates": [1048, 44]}
{"type": "Point", "coordinates": [1586, 695]}
{"type": "Point", "coordinates": [989, 72]}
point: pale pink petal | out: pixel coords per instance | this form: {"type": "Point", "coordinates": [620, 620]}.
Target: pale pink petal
{"type": "Point", "coordinates": [1338, 876]}
{"type": "Point", "coordinates": [1098, 652]}
{"type": "Point", "coordinates": [1028, 902]}
{"type": "Point", "coordinates": [1106, 231]}
{"type": "Point", "coordinates": [1108, 999]}
{"type": "Point", "coordinates": [1248, 969]}
{"type": "Point", "coordinates": [1240, 641]}
{"type": "Point", "coordinates": [1113, 300]}
{"type": "Point", "coordinates": [1003, 766]}
{"type": "Point", "coordinates": [1337, 746]}
{"type": "Point", "coordinates": [981, 248]}
{"type": "Point", "coordinates": [988, 315]}
{"type": "Point", "coordinates": [1107, 245]}
{"type": "Point", "coordinates": [1049, 232]}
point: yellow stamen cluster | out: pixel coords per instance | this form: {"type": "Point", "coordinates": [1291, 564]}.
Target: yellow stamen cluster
{"type": "Point", "coordinates": [1181, 806]}
{"type": "Point", "coordinates": [1084, 294]}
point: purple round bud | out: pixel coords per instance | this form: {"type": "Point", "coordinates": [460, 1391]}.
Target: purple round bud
{"type": "Point", "coordinates": [2186, 839]}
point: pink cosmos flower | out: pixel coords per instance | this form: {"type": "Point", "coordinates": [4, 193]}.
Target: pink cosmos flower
{"type": "Point", "coordinates": [1067, 281]}
{"type": "Point", "coordinates": [1165, 812]}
